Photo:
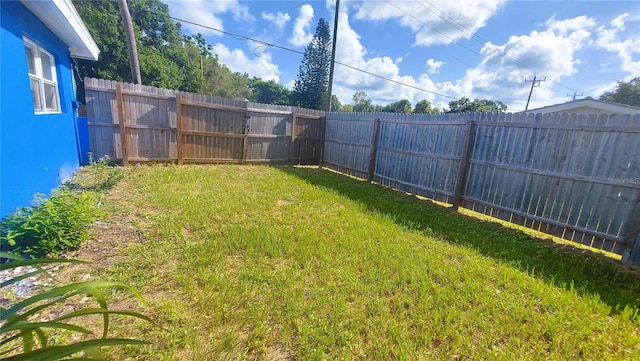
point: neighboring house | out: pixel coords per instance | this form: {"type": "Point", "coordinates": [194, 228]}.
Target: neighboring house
{"type": "Point", "coordinates": [38, 146]}
{"type": "Point", "coordinates": [588, 105]}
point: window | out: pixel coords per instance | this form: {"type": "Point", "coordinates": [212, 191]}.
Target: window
{"type": "Point", "coordinates": [42, 78]}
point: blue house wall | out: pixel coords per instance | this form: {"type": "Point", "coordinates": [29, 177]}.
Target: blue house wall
{"type": "Point", "coordinates": [37, 152]}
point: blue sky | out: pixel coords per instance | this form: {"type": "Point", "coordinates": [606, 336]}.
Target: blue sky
{"type": "Point", "coordinates": [475, 48]}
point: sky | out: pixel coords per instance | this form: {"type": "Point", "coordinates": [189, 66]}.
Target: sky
{"type": "Point", "coordinates": [433, 50]}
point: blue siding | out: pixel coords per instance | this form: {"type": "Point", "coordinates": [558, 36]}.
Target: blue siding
{"type": "Point", "coordinates": [37, 152]}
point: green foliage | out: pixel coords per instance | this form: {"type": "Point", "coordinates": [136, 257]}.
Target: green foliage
{"type": "Point", "coordinates": [159, 71]}
{"type": "Point", "coordinates": [465, 105]}
{"type": "Point", "coordinates": [25, 336]}
{"type": "Point", "coordinates": [362, 103]}
{"type": "Point", "coordinates": [163, 61]}
{"type": "Point", "coordinates": [168, 59]}
{"type": "Point", "coordinates": [312, 85]}
{"type": "Point", "coordinates": [401, 106]}
{"type": "Point", "coordinates": [424, 106]}
{"type": "Point", "coordinates": [336, 106]}
{"type": "Point", "coordinates": [625, 93]}
{"type": "Point", "coordinates": [269, 92]}
{"type": "Point", "coordinates": [53, 225]}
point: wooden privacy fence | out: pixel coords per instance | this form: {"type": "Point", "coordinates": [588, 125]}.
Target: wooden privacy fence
{"type": "Point", "coordinates": [573, 176]}
{"type": "Point", "coordinates": [136, 123]}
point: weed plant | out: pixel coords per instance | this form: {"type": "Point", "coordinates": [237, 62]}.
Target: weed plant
{"type": "Point", "coordinates": [59, 223]}
{"type": "Point", "coordinates": [55, 224]}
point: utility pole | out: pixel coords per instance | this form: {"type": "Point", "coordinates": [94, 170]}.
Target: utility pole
{"type": "Point", "coordinates": [575, 94]}
{"type": "Point", "coordinates": [333, 53]}
{"type": "Point", "coordinates": [131, 42]}
{"type": "Point", "coordinates": [534, 83]}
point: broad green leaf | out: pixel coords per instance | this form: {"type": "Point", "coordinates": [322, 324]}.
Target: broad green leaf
{"type": "Point", "coordinates": [30, 326]}
{"type": "Point", "coordinates": [54, 353]}
{"type": "Point", "coordinates": [74, 288]}
{"type": "Point", "coordinates": [94, 311]}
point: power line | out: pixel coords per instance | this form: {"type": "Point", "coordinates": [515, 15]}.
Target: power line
{"type": "Point", "coordinates": [244, 37]}
{"type": "Point", "coordinates": [468, 32]}
{"type": "Point", "coordinates": [452, 40]}
{"type": "Point", "coordinates": [453, 22]}
{"type": "Point", "coordinates": [481, 40]}
{"type": "Point", "coordinates": [445, 50]}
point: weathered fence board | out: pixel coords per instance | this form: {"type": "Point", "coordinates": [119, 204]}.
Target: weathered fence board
{"type": "Point", "coordinates": [347, 143]}
{"type": "Point", "coordinates": [140, 123]}
{"type": "Point", "coordinates": [573, 176]}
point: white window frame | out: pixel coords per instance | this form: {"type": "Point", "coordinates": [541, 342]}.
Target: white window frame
{"type": "Point", "coordinates": [40, 104]}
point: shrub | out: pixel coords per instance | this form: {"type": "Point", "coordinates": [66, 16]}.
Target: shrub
{"type": "Point", "coordinates": [53, 225]}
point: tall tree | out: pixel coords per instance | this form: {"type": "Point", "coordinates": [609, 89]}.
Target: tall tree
{"type": "Point", "coordinates": [269, 92]}
{"type": "Point", "coordinates": [336, 106]}
{"type": "Point", "coordinates": [401, 106]}
{"type": "Point", "coordinates": [424, 106]}
{"type": "Point", "coordinates": [310, 89]}
{"type": "Point", "coordinates": [362, 103]}
{"type": "Point", "coordinates": [167, 58]}
{"type": "Point", "coordinates": [465, 105]}
{"type": "Point", "coordinates": [163, 60]}
{"type": "Point", "coordinates": [625, 93]}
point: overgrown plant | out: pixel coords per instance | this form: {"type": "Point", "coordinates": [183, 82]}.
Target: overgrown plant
{"type": "Point", "coordinates": [104, 174]}
{"type": "Point", "coordinates": [25, 337]}
{"type": "Point", "coordinates": [53, 225]}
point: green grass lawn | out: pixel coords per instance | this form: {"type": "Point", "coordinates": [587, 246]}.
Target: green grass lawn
{"type": "Point", "coordinates": [258, 262]}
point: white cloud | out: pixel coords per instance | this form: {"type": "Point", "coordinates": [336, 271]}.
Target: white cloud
{"type": "Point", "coordinates": [605, 88]}
{"type": "Point", "coordinates": [611, 39]}
{"type": "Point", "coordinates": [433, 23]}
{"type": "Point", "coordinates": [279, 20]}
{"type": "Point", "coordinates": [434, 66]}
{"type": "Point", "coordinates": [207, 12]}
{"type": "Point", "coordinates": [347, 81]}
{"type": "Point", "coordinates": [551, 53]}
{"type": "Point", "coordinates": [618, 23]}
{"type": "Point", "coordinates": [301, 35]}
{"type": "Point", "coordinates": [237, 61]}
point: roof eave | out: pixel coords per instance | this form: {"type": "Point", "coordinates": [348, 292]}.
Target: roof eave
{"type": "Point", "coordinates": [62, 18]}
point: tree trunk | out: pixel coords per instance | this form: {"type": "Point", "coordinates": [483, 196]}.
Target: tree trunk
{"type": "Point", "coordinates": [131, 41]}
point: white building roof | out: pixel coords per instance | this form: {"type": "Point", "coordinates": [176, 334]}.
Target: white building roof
{"type": "Point", "coordinates": [62, 18]}
{"type": "Point", "coordinates": [588, 102]}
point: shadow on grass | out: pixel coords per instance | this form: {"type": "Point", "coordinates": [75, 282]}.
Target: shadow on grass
{"type": "Point", "coordinates": [616, 284]}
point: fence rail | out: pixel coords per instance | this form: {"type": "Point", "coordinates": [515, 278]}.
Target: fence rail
{"type": "Point", "coordinates": [572, 176]}
{"type": "Point", "coordinates": [135, 123]}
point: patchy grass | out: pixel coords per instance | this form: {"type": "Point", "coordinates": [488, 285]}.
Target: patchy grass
{"type": "Point", "coordinates": [256, 262]}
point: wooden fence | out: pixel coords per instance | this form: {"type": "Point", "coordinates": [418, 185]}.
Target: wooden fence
{"type": "Point", "coordinates": [135, 123]}
{"type": "Point", "coordinates": [573, 176]}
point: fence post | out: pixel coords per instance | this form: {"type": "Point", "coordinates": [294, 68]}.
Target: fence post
{"type": "Point", "coordinates": [631, 254]}
{"type": "Point", "coordinates": [464, 166]}
{"type": "Point", "coordinates": [374, 149]}
{"type": "Point", "coordinates": [123, 127]}
{"type": "Point", "coordinates": [179, 144]}
{"type": "Point", "coordinates": [323, 129]}
{"type": "Point", "coordinates": [294, 120]}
